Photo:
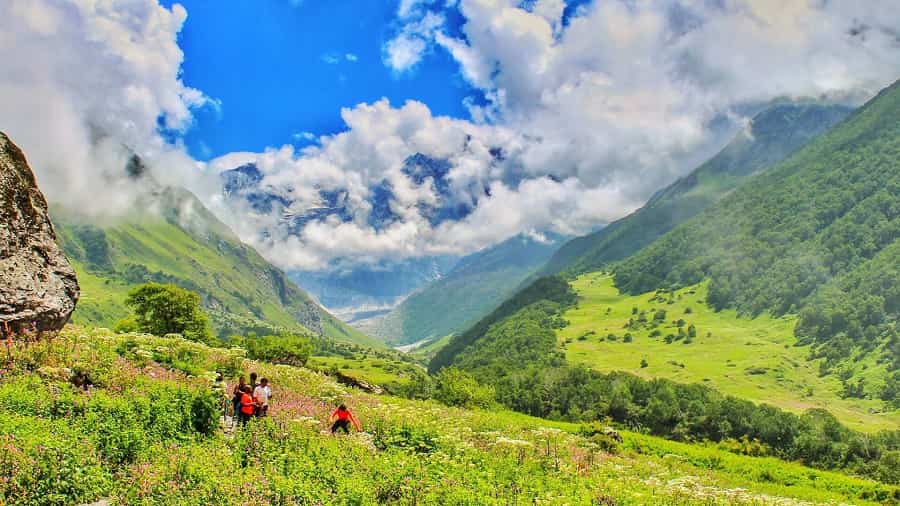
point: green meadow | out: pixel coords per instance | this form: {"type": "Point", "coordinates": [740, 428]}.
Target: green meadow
{"type": "Point", "coordinates": [377, 370]}
{"type": "Point", "coordinates": [148, 432]}
{"type": "Point", "coordinates": [753, 358]}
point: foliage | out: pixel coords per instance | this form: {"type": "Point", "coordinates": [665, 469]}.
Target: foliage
{"type": "Point", "coordinates": [553, 289]}
{"type": "Point", "coordinates": [694, 413]}
{"type": "Point", "coordinates": [411, 452]}
{"type": "Point", "coordinates": [47, 463]}
{"type": "Point", "coordinates": [168, 309]}
{"type": "Point", "coordinates": [283, 349]}
{"type": "Point", "coordinates": [757, 359]}
{"type": "Point", "coordinates": [455, 387]}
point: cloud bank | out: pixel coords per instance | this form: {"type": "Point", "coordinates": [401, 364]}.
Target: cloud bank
{"type": "Point", "coordinates": [85, 84]}
{"type": "Point", "coordinates": [579, 114]}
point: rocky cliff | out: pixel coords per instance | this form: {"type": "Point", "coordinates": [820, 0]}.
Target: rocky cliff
{"type": "Point", "coordinates": [37, 285]}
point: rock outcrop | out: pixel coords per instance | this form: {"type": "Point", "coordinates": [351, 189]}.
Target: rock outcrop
{"type": "Point", "coordinates": [38, 289]}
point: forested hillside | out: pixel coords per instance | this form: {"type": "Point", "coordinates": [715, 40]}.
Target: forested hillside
{"type": "Point", "coordinates": [174, 239]}
{"type": "Point", "coordinates": [814, 237]}
{"type": "Point", "coordinates": [542, 300]}
{"type": "Point", "coordinates": [772, 135]}
{"type": "Point", "coordinates": [474, 287]}
{"type": "Point", "coordinates": [817, 235]}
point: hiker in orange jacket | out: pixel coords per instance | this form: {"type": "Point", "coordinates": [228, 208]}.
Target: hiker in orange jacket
{"type": "Point", "coordinates": [247, 405]}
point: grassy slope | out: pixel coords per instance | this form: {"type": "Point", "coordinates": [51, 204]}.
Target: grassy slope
{"type": "Point", "coordinates": [725, 359]}
{"type": "Point", "coordinates": [378, 371]}
{"type": "Point", "coordinates": [817, 235]}
{"type": "Point", "coordinates": [478, 284]}
{"type": "Point", "coordinates": [774, 134]}
{"type": "Point", "coordinates": [188, 246]}
{"type": "Point", "coordinates": [424, 453]}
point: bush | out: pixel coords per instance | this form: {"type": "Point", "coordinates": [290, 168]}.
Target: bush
{"type": "Point", "coordinates": [283, 349]}
{"type": "Point", "coordinates": [43, 463]}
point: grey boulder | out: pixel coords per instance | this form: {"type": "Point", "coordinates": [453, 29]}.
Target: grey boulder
{"type": "Point", "coordinates": [38, 289]}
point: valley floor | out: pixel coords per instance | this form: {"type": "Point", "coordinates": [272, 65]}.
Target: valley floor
{"type": "Point", "coordinates": [755, 359]}
{"type": "Point", "coordinates": [142, 435]}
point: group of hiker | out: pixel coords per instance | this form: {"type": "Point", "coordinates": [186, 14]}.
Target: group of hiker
{"type": "Point", "coordinates": [251, 400]}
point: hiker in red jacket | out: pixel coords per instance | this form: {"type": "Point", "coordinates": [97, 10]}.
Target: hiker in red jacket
{"type": "Point", "coordinates": [247, 405]}
{"type": "Point", "coordinates": [342, 418]}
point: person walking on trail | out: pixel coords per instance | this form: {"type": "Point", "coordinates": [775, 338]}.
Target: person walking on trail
{"type": "Point", "coordinates": [253, 384]}
{"type": "Point", "coordinates": [222, 389]}
{"type": "Point", "coordinates": [342, 419]}
{"type": "Point", "coordinates": [247, 407]}
{"type": "Point", "coordinates": [236, 397]}
{"type": "Point", "coordinates": [261, 395]}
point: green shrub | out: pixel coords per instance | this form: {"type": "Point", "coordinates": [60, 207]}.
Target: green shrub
{"type": "Point", "coordinates": [283, 349]}
{"type": "Point", "coordinates": [167, 309]}
{"type": "Point", "coordinates": [46, 463]}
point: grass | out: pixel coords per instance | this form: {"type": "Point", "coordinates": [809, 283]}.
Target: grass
{"type": "Point", "coordinates": [756, 359]}
{"type": "Point", "coordinates": [375, 370]}
{"type": "Point", "coordinates": [412, 452]}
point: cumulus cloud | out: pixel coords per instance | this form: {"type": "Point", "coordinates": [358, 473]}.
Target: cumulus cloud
{"type": "Point", "coordinates": [627, 91]}
{"type": "Point", "coordinates": [575, 123]}
{"type": "Point", "coordinates": [403, 52]}
{"type": "Point", "coordinates": [592, 114]}
{"type": "Point", "coordinates": [86, 84]}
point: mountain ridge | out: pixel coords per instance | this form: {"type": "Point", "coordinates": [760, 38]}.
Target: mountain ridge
{"type": "Point", "coordinates": [770, 137]}
{"type": "Point", "coordinates": [179, 241]}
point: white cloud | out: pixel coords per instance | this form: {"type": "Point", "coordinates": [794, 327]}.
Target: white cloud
{"type": "Point", "coordinates": [411, 44]}
{"type": "Point", "coordinates": [330, 58]}
{"type": "Point", "coordinates": [304, 136]}
{"type": "Point", "coordinates": [614, 105]}
{"type": "Point", "coordinates": [83, 84]}
{"type": "Point", "coordinates": [377, 141]}
{"type": "Point", "coordinates": [351, 57]}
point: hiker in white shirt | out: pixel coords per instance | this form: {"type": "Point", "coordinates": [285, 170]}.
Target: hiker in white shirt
{"type": "Point", "coordinates": [261, 395]}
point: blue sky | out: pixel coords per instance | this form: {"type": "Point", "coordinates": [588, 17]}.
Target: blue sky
{"type": "Point", "coordinates": [280, 69]}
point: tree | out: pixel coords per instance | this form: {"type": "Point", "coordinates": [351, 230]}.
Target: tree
{"type": "Point", "coordinates": [455, 387]}
{"type": "Point", "coordinates": [167, 309]}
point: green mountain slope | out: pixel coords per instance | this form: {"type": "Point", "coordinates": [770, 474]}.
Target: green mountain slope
{"type": "Point", "coordinates": [474, 287]}
{"type": "Point", "coordinates": [546, 296]}
{"type": "Point", "coordinates": [805, 253]}
{"type": "Point", "coordinates": [817, 235]}
{"type": "Point", "coordinates": [179, 241]}
{"type": "Point", "coordinates": [772, 136]}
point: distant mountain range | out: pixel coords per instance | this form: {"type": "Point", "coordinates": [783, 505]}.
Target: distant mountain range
{"type": "Point", "coordinates": [483, 281]}
{"type": "Point", "coordinates": [359, 291]}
